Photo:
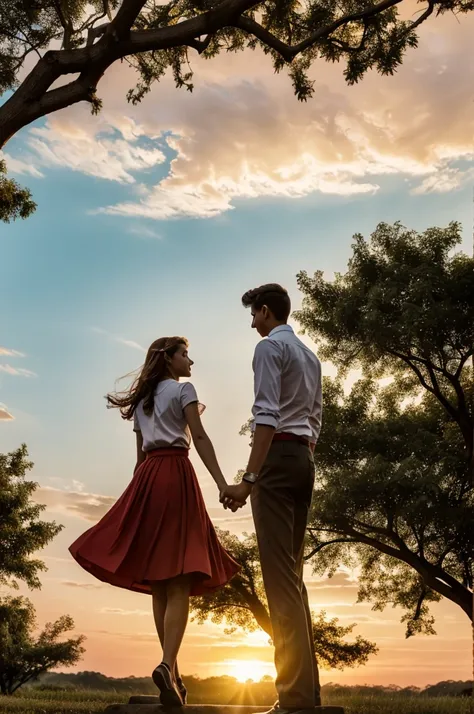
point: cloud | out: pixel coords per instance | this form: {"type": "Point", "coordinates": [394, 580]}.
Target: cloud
{"type": "Point", "coordinates": [7, 352]}
{"type": "Point", "coordinates": [81, 586]}
{"type": "Point", "coordinates": [144, 232]}
{"type": "Point", "coordinates": [89, 506]}
{"type": "Point", "coordinates": [444, 181]}
{"type": "Point", "coordinates": [225, 519]}
{"type": "Point", "coordinates": [21, 166]}
{"type": "Point", "coordinates": [243, 135]}
{"type": "Point", "coordinates": [121, 340]}
{"type": "Point", "coordinates": [339, 580]}
{"type": "Point", "coordinates": [16, 371]}
{"type": "Point", "coordinates": [99, 149]}
{"type": "Point", "coordinates": [4, 414]}
{"type": "Point", "coordinates": [125, 613]}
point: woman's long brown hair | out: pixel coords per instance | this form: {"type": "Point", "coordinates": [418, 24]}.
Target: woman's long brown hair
{"type": "Point", "coordinates": [153, 371]}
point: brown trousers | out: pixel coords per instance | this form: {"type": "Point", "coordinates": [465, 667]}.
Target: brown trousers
{"type": "Point", "coordinates": [280, 504]}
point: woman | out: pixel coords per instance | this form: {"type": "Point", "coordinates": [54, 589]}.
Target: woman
{"type": "Point", "coordinates": [158, 538]}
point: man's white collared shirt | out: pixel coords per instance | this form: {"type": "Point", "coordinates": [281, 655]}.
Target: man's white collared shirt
{"type": "Point", "coordinates": [287, 385]}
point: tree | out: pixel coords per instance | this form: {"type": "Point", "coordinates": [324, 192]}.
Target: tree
{"type": "Point", "coordinates": [242, 604]}
{"type": "Point", "coordinates": [395, 457]}
{"type": "Point", "coordinates": [15, 202]}
{"type": "Point", "coordinates": [157, 38]}
{"type": "Point", "coordinates": [24, 657]}
{"type": "Point", "coordinates": [21, 530]}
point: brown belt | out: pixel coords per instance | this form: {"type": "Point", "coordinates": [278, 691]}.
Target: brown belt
{"type": "Point", "coordinates": [286, 436]}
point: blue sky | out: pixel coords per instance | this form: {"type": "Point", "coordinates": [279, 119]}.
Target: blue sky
{"type": "Point", "coordinates": [105, 266]}
{"type": "Point", "coordinates": [68, 273]}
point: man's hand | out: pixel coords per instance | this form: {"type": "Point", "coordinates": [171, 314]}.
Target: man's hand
{"type": "Point", "coordinates": [235, 497]}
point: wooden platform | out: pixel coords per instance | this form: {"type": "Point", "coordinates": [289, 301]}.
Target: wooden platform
{"type": "Point", "coordinates": [151, 705]}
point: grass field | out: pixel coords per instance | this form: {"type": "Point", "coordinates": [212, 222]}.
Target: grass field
{"type": "Point", "coordinates": [79, 702]}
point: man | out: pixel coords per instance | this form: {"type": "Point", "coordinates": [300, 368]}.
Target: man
{"type": "Point", "coordinates": [280, 479]}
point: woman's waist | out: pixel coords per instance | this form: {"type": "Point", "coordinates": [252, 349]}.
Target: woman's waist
{"type": "Point", "coordinates": [166, 451]}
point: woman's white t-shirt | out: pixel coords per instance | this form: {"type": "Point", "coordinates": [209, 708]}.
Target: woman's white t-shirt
{"type": "Point", "coordinates": [166, 426]}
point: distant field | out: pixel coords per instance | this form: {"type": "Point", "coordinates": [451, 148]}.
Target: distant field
{"type": "Point", "coordinates": [82, 701]}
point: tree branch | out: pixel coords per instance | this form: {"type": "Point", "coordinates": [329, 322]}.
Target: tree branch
{"type": "Point", "coordinates": [430, 573]}
{"type": "Point", "coordinates": [200, 45]}
{"type": "Point", "coordinates": [320, 547]}
{"type": "Point", "coordinates": [424, 16]}
{"type": "Point", "coordinates": [289, 52]}
{"type": "Point", "coordinates": [430, 388]}
{"type": "Point", "coordinates": [419, 604]}
{"type": "Point", "coordinates": [116, 40]}
{"type": "Point", "coordinates": [125, 17]}
{"type": "Point", "coordinates": [94, 32]}
{"type": "Point", "coordinates": [33, 100]}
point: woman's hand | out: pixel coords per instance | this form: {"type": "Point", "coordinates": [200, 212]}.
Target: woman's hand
{"type": "Point", "coordinates": [235, 497]}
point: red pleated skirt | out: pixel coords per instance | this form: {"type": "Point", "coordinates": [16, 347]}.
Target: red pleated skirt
{"type": "Point", "coordinates": [159, 528]}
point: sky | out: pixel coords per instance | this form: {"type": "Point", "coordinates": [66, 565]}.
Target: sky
{"type": "Point", "coordinates": [153, 220]}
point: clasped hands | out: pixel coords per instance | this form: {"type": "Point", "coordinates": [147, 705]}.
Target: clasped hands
{"type": "Point", "coordinates": [235, 497]}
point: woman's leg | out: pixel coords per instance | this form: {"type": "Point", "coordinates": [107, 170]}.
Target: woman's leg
{"type": "Point", "coordinates": [158, 590]}
{"type": "Point", "coordinates": [176, 617]}
{"type": "Point", "coordinates": [159, 599]}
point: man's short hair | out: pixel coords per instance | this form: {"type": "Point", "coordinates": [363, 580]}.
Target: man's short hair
{"type": "Point", "coordinates": [273, 296]}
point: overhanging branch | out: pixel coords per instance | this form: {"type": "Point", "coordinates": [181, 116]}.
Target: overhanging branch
{"type": "Point", "coordinates": [320, 547]}
{"type": "Point", "coordinates": [289, 52]}
{"type": "Point", "coordinates": [116, 40]}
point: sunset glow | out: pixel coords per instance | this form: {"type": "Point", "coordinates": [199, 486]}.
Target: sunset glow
{"type": "Point", "coordinates": [153, 219]}
{"type": "Point", "coordinates": [243, 670]}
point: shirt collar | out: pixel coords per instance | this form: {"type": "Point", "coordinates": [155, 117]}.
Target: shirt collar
{"type": "Point", "coordinates": [280, 328]}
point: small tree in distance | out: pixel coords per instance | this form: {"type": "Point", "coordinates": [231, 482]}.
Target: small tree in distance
{"type": "Point", "coordinates": [23, 657]}
{"type": "Point", "coordinates": [22, 532]}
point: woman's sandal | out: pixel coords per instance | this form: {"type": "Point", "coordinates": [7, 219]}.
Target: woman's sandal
{"type": "Point", "coordinates": [182, 689]}
{"type": "Point", "coordinates": [169, 695]}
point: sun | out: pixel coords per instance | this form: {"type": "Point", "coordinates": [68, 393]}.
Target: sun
{"type": "Point", "coordinates": [245, 669]}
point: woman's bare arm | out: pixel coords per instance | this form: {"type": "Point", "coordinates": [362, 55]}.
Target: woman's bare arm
{"type": "Point", "coordinates": [204, 445]}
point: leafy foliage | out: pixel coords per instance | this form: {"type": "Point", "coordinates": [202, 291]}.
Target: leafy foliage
{"type": "Point", "coordinates": [395, 457]}
{"type": "Point", "coordinates": [21, 530]}
{"type": "Point", "coordinates": [158, 38]}
{"type": "Point", "coordinates": [15, 201]}
{"type": "Point", "coordinates": [24, 657]}
{"type": "Point", "coordinates": [242, 604]}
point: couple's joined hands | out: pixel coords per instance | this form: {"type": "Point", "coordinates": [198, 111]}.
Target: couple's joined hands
{"type": "Point", "coordinates": [235, 497]}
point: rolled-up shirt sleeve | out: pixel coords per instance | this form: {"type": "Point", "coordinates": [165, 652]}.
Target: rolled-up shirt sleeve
{"type": "Point", "coordinates": [267, 366]}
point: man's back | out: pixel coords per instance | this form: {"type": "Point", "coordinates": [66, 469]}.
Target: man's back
{"type": "Point", "coordinates": [288, 394]}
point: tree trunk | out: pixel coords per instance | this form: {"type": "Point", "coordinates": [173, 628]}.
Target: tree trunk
{"type": "Point", "coordinates": [255, 605]}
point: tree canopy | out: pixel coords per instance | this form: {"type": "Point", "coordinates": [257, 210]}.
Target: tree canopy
{"type": "Point", "coordinates": [242, 604]}
{"type": "Point", "coordinates": [15, 201]}
{"type": "Point", "coordinates": [395, 456]}
{"type": "Point", "coordinates": [53, 53]}
{"type": "Point", "coordinates": [22, 532]}
{"type": "Point", "coordinates": [24, 656]}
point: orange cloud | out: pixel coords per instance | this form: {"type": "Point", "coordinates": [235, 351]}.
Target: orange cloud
{"type": "Point", "coordinates": [242, 134]}
{"type": "Point", "coordinates": [4, 414]}
{"type": "Point", "coordinates": [7, 352]}
{"type": "Point", "coordinates": [81, 586]}
{"type": "Point", "coordinates": [16, 371]}
{"type": "Point", "coordinates": [89, 506]}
